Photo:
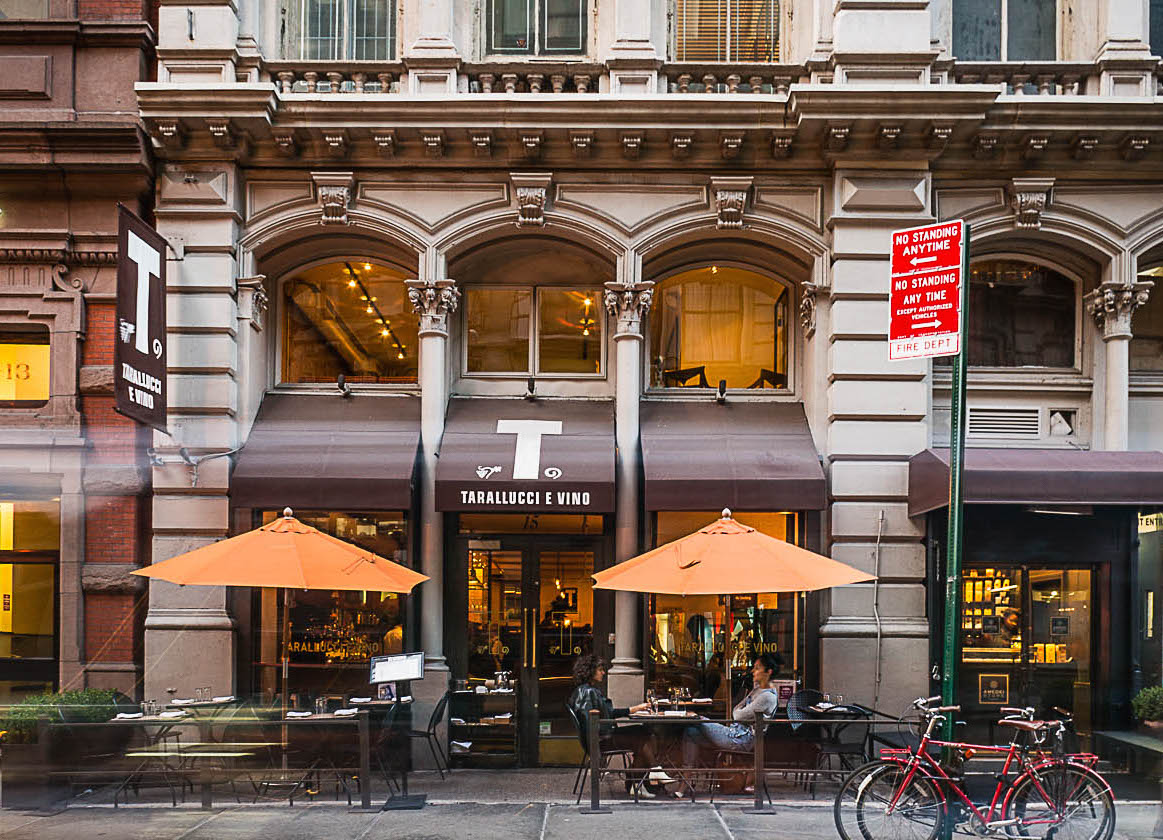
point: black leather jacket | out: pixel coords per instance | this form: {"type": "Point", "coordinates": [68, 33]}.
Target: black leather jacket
{"type": "Point", "coordinates": [588, 696]}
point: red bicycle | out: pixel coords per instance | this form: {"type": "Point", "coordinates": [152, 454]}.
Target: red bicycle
{"type": "Point", "coordinates": [908, 794]}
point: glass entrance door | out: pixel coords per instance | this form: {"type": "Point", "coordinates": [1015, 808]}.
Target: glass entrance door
{"type": "Point", "coordinates": [530, 614]}
{"type": "Point", "coordinates": [1026, 640]}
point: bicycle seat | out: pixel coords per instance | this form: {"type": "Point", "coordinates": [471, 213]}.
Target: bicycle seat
{"type": "Point", "coordinates": [1024, 725]}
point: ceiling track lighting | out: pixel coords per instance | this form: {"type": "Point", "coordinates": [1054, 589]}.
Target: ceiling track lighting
{"type": "Point", "coordinates": [372, 309]}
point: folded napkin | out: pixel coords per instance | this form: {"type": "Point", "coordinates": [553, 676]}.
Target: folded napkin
{"type": "Point", "coordinates": [407, 698]}
{"type": "Point", "coordinates": [360, 700]}
{"type": "Point", "coordinates": [128, 715]}
{"type": "Point", "coordinates": [673, 713]}
{"type": "Point", "coordinates": [225, 698]}
{"type": "Point", "coordinates": [183, 702]}
{"type": "Point", "coordinates": [177, 713]}
{"type": "Point", "coordinates": [505, 716]}
{"type": "Point", "coordinates": [702, 700]}
{"type": "Point", "coordinates": [456, 721]}
{"type": "Point", "coordinates": [298, 714]}
{"type": "Point", "coordinates": [346, 712]}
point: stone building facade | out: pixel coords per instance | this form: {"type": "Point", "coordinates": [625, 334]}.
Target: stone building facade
{"type": "Point", "coordinates": [460, 157]}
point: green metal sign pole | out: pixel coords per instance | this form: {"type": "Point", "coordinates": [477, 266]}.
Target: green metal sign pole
{"type": "Point", "coordinates": [956, 513]}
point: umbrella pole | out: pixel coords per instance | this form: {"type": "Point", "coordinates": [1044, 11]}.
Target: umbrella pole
{"type": "Point", "coordinates": [730, 654]}
{"type": "Point", "coordinates": [286, 634]}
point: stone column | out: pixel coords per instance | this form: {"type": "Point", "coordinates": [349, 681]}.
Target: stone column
{"type": "Point", "coordinates": [876, 413]}
{"type": "Point", "coordinates": [632, 58]}
{"type": "Point", "coordinates": [862, 28]}
{"type": "Point", "coordinates": [628, 304]}
{"type": "Point", "coordinates": [432, 58]}
{"type": "Point", "coordinates": [1112, 306]}
{"type": "Point", "coordinates": [1124, 57]}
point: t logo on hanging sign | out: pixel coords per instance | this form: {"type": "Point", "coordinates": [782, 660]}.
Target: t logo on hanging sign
{"type": "Point", "coordinates": [527, 456]}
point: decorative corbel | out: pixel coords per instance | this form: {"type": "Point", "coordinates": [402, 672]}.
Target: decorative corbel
{"type": "Point", "coordinates": [632, 144]}
{"type": "Point", "coordinates": [582, 143]}
{"type": "Point", "coordinates": [433, 143]}
{"type": "Point", "coordinates": [385, 140]}
{"type": "Point", "coordinates": [1135, 147]}
{"type": "Point", "coordinates": [532, 191]}
{"type": "Point", "coordinates": [730, 142]}
{"type": "Point", "coordinates": [888, 137]}
{"type": "Point", "coordinates": [938, 136]}
{"type": "Point", "coordinates": [1034, 146]}
{"type": "Point", "coordinates": [781, 143]}
{"type": "Point", "coordinates": [170, 133]}
{"type": "Point", "coordinates": [335, 141]}
{"type": "Point", "coordinates": [984, 146]}
{"type": "Point", "coordinates": [1028, 198]}
{"type": "Point", "coordinates": [285, 142]}
{"type": "Point", "coordinates": [482, 143]}
{"type": "Point", "coordinates": [222, 134]}
{"type": "Point", "coordinates": [253, 301]}
{"type": "Point", "coordinates": [836, 138]}
{"type": "Point", "coordinates": [531, 144]}
{"type": "Point", "coordinates": [729, 195]}
{"type": "Point", "coordinates": [1083, 146]}
{"type": "Point", "coordinates": [334, 193]}
{"type": "Point", "coordinates": [808, 292]}
{"type": "Point", "coordinates": [680, 144]}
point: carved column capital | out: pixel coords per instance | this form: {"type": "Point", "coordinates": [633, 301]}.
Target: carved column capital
{"type": "Point", "coordinates": [1112, 305]}
{"type": "Point", "coordinates": [433, 300]}
{"type": "Point", "coordinates": [628, 303]}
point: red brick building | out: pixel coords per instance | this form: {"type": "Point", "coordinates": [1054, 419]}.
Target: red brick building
{"type": "Point", "coordinates": [74, 478]}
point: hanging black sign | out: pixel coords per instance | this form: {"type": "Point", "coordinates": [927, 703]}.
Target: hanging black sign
{"type": "Point", "coordinates": [139, 342]}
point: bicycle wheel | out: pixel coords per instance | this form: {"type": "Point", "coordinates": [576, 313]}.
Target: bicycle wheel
{"type": "Point", "coordinates": [915, 812]}
{"type": "Point", "coordinates": [1062, 802]}
{"type": "Point", "coordinates": [844, 806]}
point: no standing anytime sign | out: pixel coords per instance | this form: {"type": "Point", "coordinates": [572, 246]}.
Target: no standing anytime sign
{"type": "Point", "coordinates": [925, 296]}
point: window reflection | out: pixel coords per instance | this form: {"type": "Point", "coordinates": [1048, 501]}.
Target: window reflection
{"type": "Point", "coordinates": [350, 318]}
{"type": "Point", "coordinates": [1147, 327]}
{"type": "Point", "coordinates": [569, 331]}
{"type": "Point", "coordinates": [26, 612]}
{"type": "Point", "coordinates": [719, 323]}
{"type": "Point", "coordinates": [24, 366]}
{"type": "Point", "coordinates": [497, 326]}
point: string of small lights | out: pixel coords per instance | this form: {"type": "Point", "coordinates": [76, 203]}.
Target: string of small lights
{"type": "Point", "coordinates": [386, 331]}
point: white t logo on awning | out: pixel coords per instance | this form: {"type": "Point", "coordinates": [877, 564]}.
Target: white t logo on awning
{"type": "Point", "coordinates": [527, 459]}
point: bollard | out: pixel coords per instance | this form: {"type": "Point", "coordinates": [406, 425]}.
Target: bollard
{"type": "Point", "coordinates": [759, 806]}
{"type": "Point", "coordinates": [365, 761]}
{"type": "Point", "coordinates": [595, 806]}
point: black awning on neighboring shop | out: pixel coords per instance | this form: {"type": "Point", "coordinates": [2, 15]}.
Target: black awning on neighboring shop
{"type": "Point", "coordinates": [755, 456]}
{"type": "Point", "coordinates": [314, 452]}
{"type": "Point", "coordinates": [1038, 476]}
{"type": "Point", "coordinates": [517, 455]}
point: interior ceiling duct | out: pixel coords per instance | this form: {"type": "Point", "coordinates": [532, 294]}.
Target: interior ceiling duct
{"type": "Point", "coordinates": [318, 309]}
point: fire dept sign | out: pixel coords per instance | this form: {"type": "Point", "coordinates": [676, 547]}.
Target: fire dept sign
{"type": "Point", "coordinates": [139, 342]}
{"type": "Point", "coordinates": [925, 297]}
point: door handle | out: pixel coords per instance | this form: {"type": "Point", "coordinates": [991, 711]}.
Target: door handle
{"type": "Point", "coordinates": [533, 634]}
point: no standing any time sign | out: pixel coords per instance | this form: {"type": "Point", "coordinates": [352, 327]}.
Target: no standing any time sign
{"type": "Point", "coordinates": [925, 297]}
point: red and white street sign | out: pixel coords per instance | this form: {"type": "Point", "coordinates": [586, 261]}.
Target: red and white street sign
{"type": "Point", "coordinates": [925, 296]}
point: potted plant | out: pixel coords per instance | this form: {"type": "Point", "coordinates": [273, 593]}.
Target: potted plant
{"type": "Point", "coordinates": [1148, 708]}
{"type": "Point", "coordinates": [33, 746]}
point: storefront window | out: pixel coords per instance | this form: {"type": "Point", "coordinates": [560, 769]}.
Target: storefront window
{"type": "Point", "coordinates": [32, 526]}
{"type": "Point", "coordinates": [1150, 617]}
{"type": "Point", "coordinates": [719, 323]}
{"type": "Point", "coordinates": [521, 330]}
{"type": "Point", "coordinates": [351, 318]}
{"type": "Point", "coordinates": [1147, 328]}
{"type": "Point", "coordinates": [29, 541]}
{"type": "Point", "coordinates": [329, 636]}
{"type": "Point", "coordinates": [24, 366]}
{"type": "Point", "coordinates": [705, 644]}
{"type": "Point", "coordinates": [1020, 315]}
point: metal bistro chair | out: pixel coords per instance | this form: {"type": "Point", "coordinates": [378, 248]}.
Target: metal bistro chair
{"type": "Point", "coordinates": [383, 748]}
{"type": "Point", "coordinates": [429, 735]}
{"type": "Point", "coordinates": [604, 755]}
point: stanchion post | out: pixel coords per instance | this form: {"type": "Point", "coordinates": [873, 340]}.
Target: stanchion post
{"type": "Point", "coordinates": [593, 732]}
{"type": "Point", "coordinates": [759, 806]}
{"type": "Point", "coordinates": [207, 773]}
{"type": "Point", "coordinates": [365, 761]}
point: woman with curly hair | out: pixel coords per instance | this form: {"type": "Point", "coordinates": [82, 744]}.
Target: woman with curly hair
{"type": "Point", "coordinates": [589, 671]}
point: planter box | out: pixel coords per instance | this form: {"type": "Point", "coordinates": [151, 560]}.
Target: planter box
{"type": "Point", "coordinates": [24, 778]}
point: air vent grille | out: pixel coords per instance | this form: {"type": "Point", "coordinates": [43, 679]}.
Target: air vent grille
{"type": "Point", "coordinates": [1004, 422]}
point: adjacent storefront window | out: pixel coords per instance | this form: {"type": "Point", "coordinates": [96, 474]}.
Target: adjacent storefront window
{"type": "Point", "coordinates": [329, 636]}
{"type": "Point", "coordinates": [719, 323]}
{"type": "Point", "coordinates": [24, 366]}
{"type": "Point", "coordinates": [351, 318]}
{"type": "Point", "coordinates": [1021, 314]}
{"type": "Point", "coordinates": [29, 542]}
{"type": "Point", "coordinates": [705, 644]}
{"type": "Point", "coordinates": [545, 331]}
{"type": "Point", "coordinates": [1147, 327]}
{"type": "Point", "coordinates": [1150, 610]}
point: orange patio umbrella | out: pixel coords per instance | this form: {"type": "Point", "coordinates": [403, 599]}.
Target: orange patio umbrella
{"type": "Point", "coordinates": [289, 554]}
{"type": "Point", "coordinates": [727, 558]}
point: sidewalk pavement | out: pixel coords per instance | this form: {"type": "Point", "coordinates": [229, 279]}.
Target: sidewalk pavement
{"type": "Point", "coordinates": [467, 821]}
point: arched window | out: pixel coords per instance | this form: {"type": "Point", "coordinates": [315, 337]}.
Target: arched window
{"type": "Point", "coordinates": [351, 318]}
{"type": "Point", "coordinates": [719, 323]}
{"type": "Point", "coordinates": [1021, 314]}
{"type": "Point", "coordinates": [1147, 326]}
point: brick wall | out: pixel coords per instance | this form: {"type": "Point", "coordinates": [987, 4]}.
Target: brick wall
{"type": "Point", "coordinates": [109, 627]}
{"type": "Point", "coordinates": [112, 9]}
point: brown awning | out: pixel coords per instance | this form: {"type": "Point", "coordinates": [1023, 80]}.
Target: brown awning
{"type": "Point", "coordinates": [527, 455]}
{"type": "Point", "coordinates": [323, 452]}
{"type": "Point", "coordinates": [1038, 476]}
{"type": "Point", "coordinates": [755, 456]}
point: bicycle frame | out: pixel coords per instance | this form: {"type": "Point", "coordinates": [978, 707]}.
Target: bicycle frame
{"type": "Point", "coordinates": [931, 769]}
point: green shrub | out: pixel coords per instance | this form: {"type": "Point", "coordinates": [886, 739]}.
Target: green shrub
{"type": "Point", "coordinates": [1148, 703]}
{"type": "Point", "coordinates": [90, 705]}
